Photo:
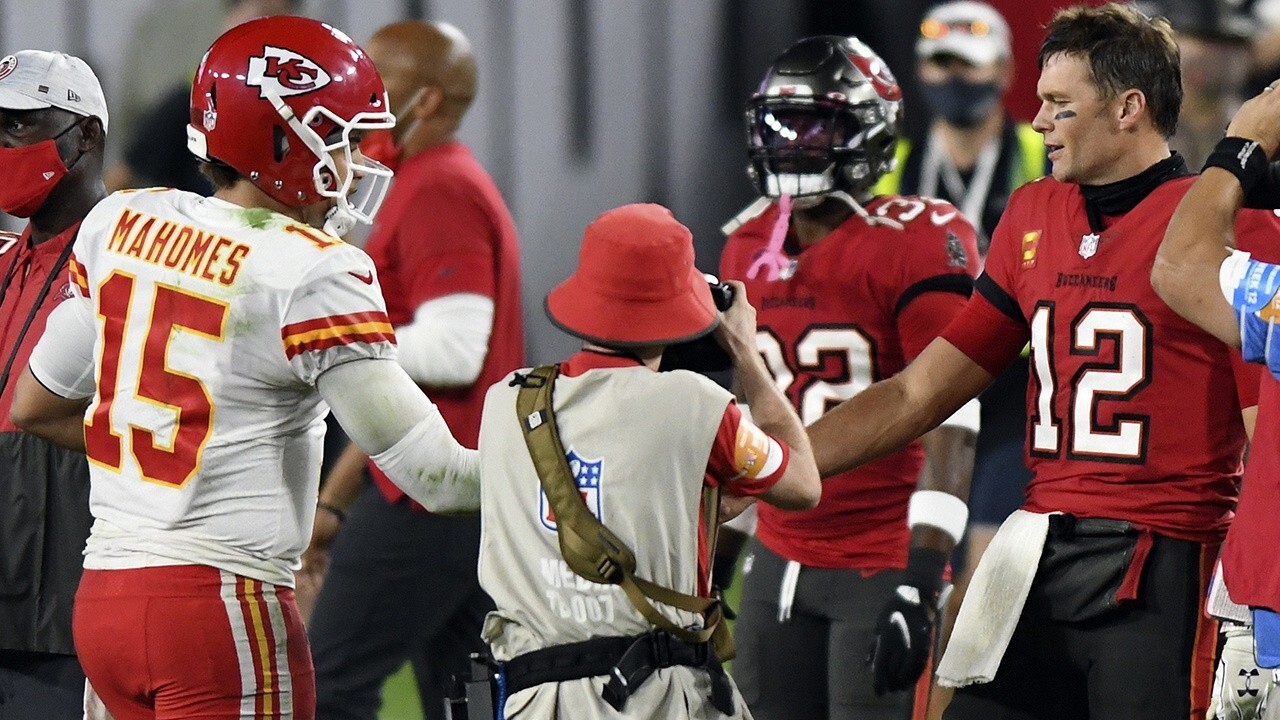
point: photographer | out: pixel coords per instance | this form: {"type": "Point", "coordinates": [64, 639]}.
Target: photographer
{"type": "Point", "coordinates": [642, 447]}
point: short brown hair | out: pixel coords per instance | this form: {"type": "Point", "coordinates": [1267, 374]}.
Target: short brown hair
{"type": "Point", "coordinates": [219, 173]}
{"type": "Point", "coordinates": [1125, 50]}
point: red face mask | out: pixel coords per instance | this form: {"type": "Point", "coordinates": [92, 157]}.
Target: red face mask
{"type": "Point", "coordinates": [381, 146]}
{"type": "Point", "coordinates": [30, 173]}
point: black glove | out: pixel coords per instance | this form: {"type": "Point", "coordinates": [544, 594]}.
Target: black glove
{"type": "Point", "coordinates": [904, 632]}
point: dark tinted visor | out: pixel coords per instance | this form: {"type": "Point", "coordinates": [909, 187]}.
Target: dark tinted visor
{"type": "Point", "coordinates": [804, 128]}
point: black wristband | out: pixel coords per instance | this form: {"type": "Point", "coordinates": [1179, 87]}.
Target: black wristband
{"type": "Point", "coordinates": [924, 570]}
{"type": "Point", "coordinates": [342, 516]}
{"type": "Point", "coordinates": [1241, 157]}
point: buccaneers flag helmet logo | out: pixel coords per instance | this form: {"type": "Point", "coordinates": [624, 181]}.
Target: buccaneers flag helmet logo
{"type": "Point", "coordinates": [878, 73]}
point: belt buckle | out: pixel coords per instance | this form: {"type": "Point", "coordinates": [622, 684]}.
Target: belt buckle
{"type": "Point", "coordinates": [702, 652]}
{"type": "Point", "coordinates": [661, 644]}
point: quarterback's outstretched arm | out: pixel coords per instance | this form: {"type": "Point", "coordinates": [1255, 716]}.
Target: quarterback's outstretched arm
{"type": "Point", "coordinates": [385, 413]}
{"type": "Point", "coordinates": [893, 412]}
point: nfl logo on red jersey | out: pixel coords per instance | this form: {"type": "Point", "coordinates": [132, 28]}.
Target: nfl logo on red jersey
{"type": "Point", "coordinates": [586, 474]}
{"type": "Point", "coordinates": [1089, 245]}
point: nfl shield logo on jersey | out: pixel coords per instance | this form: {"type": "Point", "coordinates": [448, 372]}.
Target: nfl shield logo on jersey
{"type": "Point", "coordinates": [1089, 245]}
{"type": "Point", "coordinates": [586, 474]}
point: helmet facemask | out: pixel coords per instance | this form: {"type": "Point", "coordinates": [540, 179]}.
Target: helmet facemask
{"type": "Point", "coordinates": [810, 148]}
{"type": "Point", "coordinates": [359, 191]}
{"type": "Point", "coordinates": [824, 121]}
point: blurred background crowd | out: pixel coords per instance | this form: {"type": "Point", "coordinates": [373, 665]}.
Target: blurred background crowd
{"type": "Point", "coordinates": [584, 105]}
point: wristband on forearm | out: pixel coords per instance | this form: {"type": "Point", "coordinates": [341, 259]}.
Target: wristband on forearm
{"type": "Point", "coordinates": [1243, 158]}
{"type": "Point", "coordinates": [938, 509]}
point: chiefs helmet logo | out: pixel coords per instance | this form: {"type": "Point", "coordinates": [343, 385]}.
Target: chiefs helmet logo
{"type": "Point", "coordinates": [876, 71]}
{"type": "Point", "coordinates": [285, 73]}
{"type": "Point", "coordinates": [7, 65]}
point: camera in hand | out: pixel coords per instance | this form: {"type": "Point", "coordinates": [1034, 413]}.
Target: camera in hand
{"type": "Point", "coordinates": [721, 293]}
{"type": "Point", "coordinates": [704, 354]}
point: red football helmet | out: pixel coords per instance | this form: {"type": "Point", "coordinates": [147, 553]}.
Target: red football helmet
{"type": "Point", "coordinates": [274, 97]}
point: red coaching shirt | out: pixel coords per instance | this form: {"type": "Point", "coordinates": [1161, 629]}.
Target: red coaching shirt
{"type": "Point", "coordinates": [1133, 413]}
{"type": "Point", "coordinates": [862, 302]}
{"type": "Point", "coordinates": [444, 229]}
{"type": "Point", "coordinates": [24, 269]}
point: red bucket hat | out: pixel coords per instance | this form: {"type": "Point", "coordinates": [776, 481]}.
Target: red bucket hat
{"type": "Point", "coordinates": [635, 284]}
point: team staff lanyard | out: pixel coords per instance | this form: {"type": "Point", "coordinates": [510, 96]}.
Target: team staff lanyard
{"type": "Point", "coordinates": [971, 199]}
{"type": "Point", "coordinates": [35, 308]}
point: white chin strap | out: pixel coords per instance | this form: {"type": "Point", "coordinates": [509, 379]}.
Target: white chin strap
{"type": "Point", "coordinates": [359, 206]}
{"type": "Point", "coordinates": [338, 223]}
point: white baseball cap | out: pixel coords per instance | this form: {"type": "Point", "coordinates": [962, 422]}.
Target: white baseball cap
{"type": "Point", "coordinates": [37, 79]}
{"type": "Point", "coordinates": [972, 31]}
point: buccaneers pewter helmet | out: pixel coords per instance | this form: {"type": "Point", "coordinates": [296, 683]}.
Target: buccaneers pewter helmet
{"type": "Point", "coordinates": [826, 117]}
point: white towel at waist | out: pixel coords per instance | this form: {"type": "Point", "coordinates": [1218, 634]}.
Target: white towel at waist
{"type": "Point", "coordinates": [994, 601]}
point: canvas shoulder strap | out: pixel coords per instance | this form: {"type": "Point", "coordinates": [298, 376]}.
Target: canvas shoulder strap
{"type": "Point", "coordinates": [589, 548]}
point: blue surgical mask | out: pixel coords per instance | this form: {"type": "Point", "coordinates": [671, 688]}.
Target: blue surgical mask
{"type": "Point", "coordinates": [960, 102]}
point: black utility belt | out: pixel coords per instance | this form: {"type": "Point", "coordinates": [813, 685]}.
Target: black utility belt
{"type": "Point", "coordinates": [625, 661]}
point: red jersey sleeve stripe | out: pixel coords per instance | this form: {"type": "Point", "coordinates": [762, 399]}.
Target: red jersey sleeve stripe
{"type": "Point", "coordinates": [79, 275]}
{"type": "Point", "coordinates": [299, 328]}
{"type": "Point", "coordinates": [325, 342]}
{"type": "Point", "coordinates": [338, 331]}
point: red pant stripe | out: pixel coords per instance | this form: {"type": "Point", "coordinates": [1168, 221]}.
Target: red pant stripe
{"type": "Point", "coordinates": [1206, 642]}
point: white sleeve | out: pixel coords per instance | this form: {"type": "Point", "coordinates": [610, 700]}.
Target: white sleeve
{"type": "Point", "coordinates": [388, 417]}
{"type": "Point", "coordinates": [446, 344]}
{"type": "Point", "coordinates": [336, 315]}
{"type": "Point", "coordinates": [63, 360]}
{"type": "Point", "coordinates": [1231, 272]}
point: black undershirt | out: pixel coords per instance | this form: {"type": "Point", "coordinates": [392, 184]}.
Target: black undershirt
{"type": "Point", "coordinates": [1120, 197]}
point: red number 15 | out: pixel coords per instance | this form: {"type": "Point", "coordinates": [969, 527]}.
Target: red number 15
{"type": "Point", "coordinates": [172, 311]}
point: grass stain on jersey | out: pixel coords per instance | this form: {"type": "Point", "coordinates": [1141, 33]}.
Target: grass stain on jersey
{"type": "Point", "coordinates": [256, 217]}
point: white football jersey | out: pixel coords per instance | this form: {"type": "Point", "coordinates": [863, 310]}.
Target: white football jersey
{"type": "Point", "coordinates": [213, 322]}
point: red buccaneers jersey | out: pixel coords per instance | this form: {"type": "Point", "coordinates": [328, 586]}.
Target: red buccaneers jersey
{"type": "Point", "coordinates": [1133, 412]}
{"type": "Point", "coordinates": [859, 304]}
{"type": "Point", "coordinates": [1248, 563]}
{"type": "Point", "coordinates": [1248, 556]}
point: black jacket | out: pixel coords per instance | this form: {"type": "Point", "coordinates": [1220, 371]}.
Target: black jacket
{"type": "Point", "coordinates": [44, 520]}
